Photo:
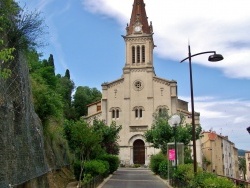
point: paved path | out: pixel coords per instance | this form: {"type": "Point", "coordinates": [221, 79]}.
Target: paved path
{"type": "Point", "coordinates": [133, 178]}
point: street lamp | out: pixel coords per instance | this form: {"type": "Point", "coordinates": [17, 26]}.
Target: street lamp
{"type": "Point", "coordinates": [173, 122]}
{"type": "Point", "coordinates": [213, 58]}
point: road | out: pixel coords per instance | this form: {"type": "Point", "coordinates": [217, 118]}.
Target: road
{"type": "Point", "coordinates": [133, 178]}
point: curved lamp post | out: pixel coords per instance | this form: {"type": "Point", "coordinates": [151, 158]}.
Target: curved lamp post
{"type": "Point", "coordinates": [174, 121]}
{"type": "Point", "coordinates": [248, 130]}
{"type": "Point", "coordinates": [213, 58]}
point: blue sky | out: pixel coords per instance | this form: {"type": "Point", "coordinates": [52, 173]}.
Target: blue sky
{"type": "Point", "coordinates": [84, 36]}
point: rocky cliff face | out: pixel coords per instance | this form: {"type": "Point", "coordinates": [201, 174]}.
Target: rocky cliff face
{"type": "Point", "coordinates": [22, 153]}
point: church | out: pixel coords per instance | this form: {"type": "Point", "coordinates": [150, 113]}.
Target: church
{"type": "Point", "coordinates": [131, 100]}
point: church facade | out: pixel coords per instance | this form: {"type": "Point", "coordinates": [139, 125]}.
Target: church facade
{"type": "Point", "coordinates": [131, 100]}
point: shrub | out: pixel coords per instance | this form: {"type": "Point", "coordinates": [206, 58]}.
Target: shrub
{"type": "Point", "coordinates": [185, 173]}
{"type": "Point", "coordinates": [218, 182]}
{"type": "Point", "coordinates": [96, 167]}
{"type": "Point", "coordinates": [155, 161]}
{"type": "Point", "coordinates": [113, 161]}
{"type": "Point", "coordinates": [163, 169]}
{"type": "Point", "coordinates": [199, 179]}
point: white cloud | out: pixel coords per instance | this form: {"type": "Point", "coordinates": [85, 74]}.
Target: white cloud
{"type": "Point", "coordinates": [228, 117]}
{"type": "Point", "coordinates": [222, 26]}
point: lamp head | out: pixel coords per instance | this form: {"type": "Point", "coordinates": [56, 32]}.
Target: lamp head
{"type": "Point", "coordinates": [248, 129]}
{"type": "Point", "coordinates": [215, 57]}
{"type": "Point", "coordinates": [174, 120]}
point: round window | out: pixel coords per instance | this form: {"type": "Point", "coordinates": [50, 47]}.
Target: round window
{"type": "Point", "coordinates": [138, 85]}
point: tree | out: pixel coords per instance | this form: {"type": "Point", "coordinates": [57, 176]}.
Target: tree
{"type": "Point", "coordinates": [5, 56]}
{"type": "Point", "coordinates": [242, 166]}
{"type": "Point", "coordinates": [23, 29]}
{"type": "Point", "coordinates": [110, 136]}
{"type": "Point", "coordinates": [67, 74]}
{"type": "Point", "coordinates": [162, 133]}
{"type": "Point", "coordinates": [47, 101]}
{"type": "Point", "coordinates": [51, 62]}
{"type": "Point", "coordinates": [84, 96]}
{"type": "Point", "coordinates": [65, 88]}
{"type": "Point", "coordinates": [83, 140]}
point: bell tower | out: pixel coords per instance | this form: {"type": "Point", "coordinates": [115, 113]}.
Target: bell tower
{"type": "Point", "coordinates": [139, 40]}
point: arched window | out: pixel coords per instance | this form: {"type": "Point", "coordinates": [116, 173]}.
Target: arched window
{"type": "Point", "coordinates": [160, 111]}
{"type": "Point", "coordinates": [133, 54]}
{"type": "Point", "coordinates": [138, 54]}
{"type": "Point", "coordinates": [138, 111]}
{"type": "Point", "coordinates": [113, 113]}
{"type": "Point", "coordinates": [117, 113]}
{"type": "Point", "coordinates": [143, 53]}
{"type": "Point", "coordinates": [140, 114]}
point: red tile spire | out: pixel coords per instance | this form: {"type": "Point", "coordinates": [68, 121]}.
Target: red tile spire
{"type": "Point", "coordinates": [139, 16]}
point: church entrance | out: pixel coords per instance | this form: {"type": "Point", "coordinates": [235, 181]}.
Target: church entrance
{"type": "Point", "coordinates": [139, 152]}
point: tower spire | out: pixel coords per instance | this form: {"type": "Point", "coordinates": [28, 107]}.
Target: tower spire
{"type": "Point", "coordinates": [139, 16]}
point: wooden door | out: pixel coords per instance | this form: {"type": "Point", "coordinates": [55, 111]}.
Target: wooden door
{"type": "Point", "coordinates": [139, 152]}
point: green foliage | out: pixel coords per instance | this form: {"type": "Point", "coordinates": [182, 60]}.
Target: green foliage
{"type": "Point", "coordinates": [112, 160]}
{"type": "Point", "coordinates": [84, 96]}
{"type": "Point", "coordinates": [46, 101]}
{"type": "Point", "coordinates": [82, 138]}
{"type": "Point", "coordinates": [199, 179]}
{"type": "Point", "coordinates": [77, 168]}
{"type": "Point", "coordinates": [21, 28]}
{"type": "Point", "coordinates": [242, 166]}
{"type": "Point", "coordinates": [155, 162]}
{"type": "Point", "coordinates": [163, 169]}
{"type": "Point", "coordinates": [67, 74]}
{"type": "Point", "coordinates": [109, 134]}
{"type": "Point", "coordinates": [184, 173]}
{"type": "Point", "coordinates": [87, 178]}
{"type": "Point", "coordinates": [51, 94]}
{"type": "Point", "coordinates": [5, 54]}
{"type": "Point", "coordinates": [161, 133]}
{"type": "Point", "coordinates": [187, 155]}
{"type": "Point", "coordinates": [218, 183]}
{"type": "Point", "coordinates": [65, 88]}
{"type": "Point", "coordinates": [96, 167]}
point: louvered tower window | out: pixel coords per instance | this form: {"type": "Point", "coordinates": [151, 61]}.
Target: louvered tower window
{"type": "Point", "coordinates": [138, 54]}
{"type": "Point", "coordinates": [143, 53]}
{"type": "Point", "coordinates": [133, 54]}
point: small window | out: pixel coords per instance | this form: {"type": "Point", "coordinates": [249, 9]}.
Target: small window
{"type": "Point", "coordinates": [98, 108]}
{"type": "Point", "coordinates": [133, 54]}
{"type": "Point", "coordinates": [117, 113]}
{"type": "Point", "coordinates": [113, 114]}
{"type": "Point", "coordinates": [138, 112]}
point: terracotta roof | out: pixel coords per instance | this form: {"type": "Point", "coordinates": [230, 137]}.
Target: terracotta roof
{"type": "Point", "coordinates": [212, 136]}
{"type": "Point", "coordinates": [139, 15]}
{"type": "Point", "coordinates": [93, 103]}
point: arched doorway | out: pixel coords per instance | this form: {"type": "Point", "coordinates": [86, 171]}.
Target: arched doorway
{"type": "Point", "coordinates": [139, 152]}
